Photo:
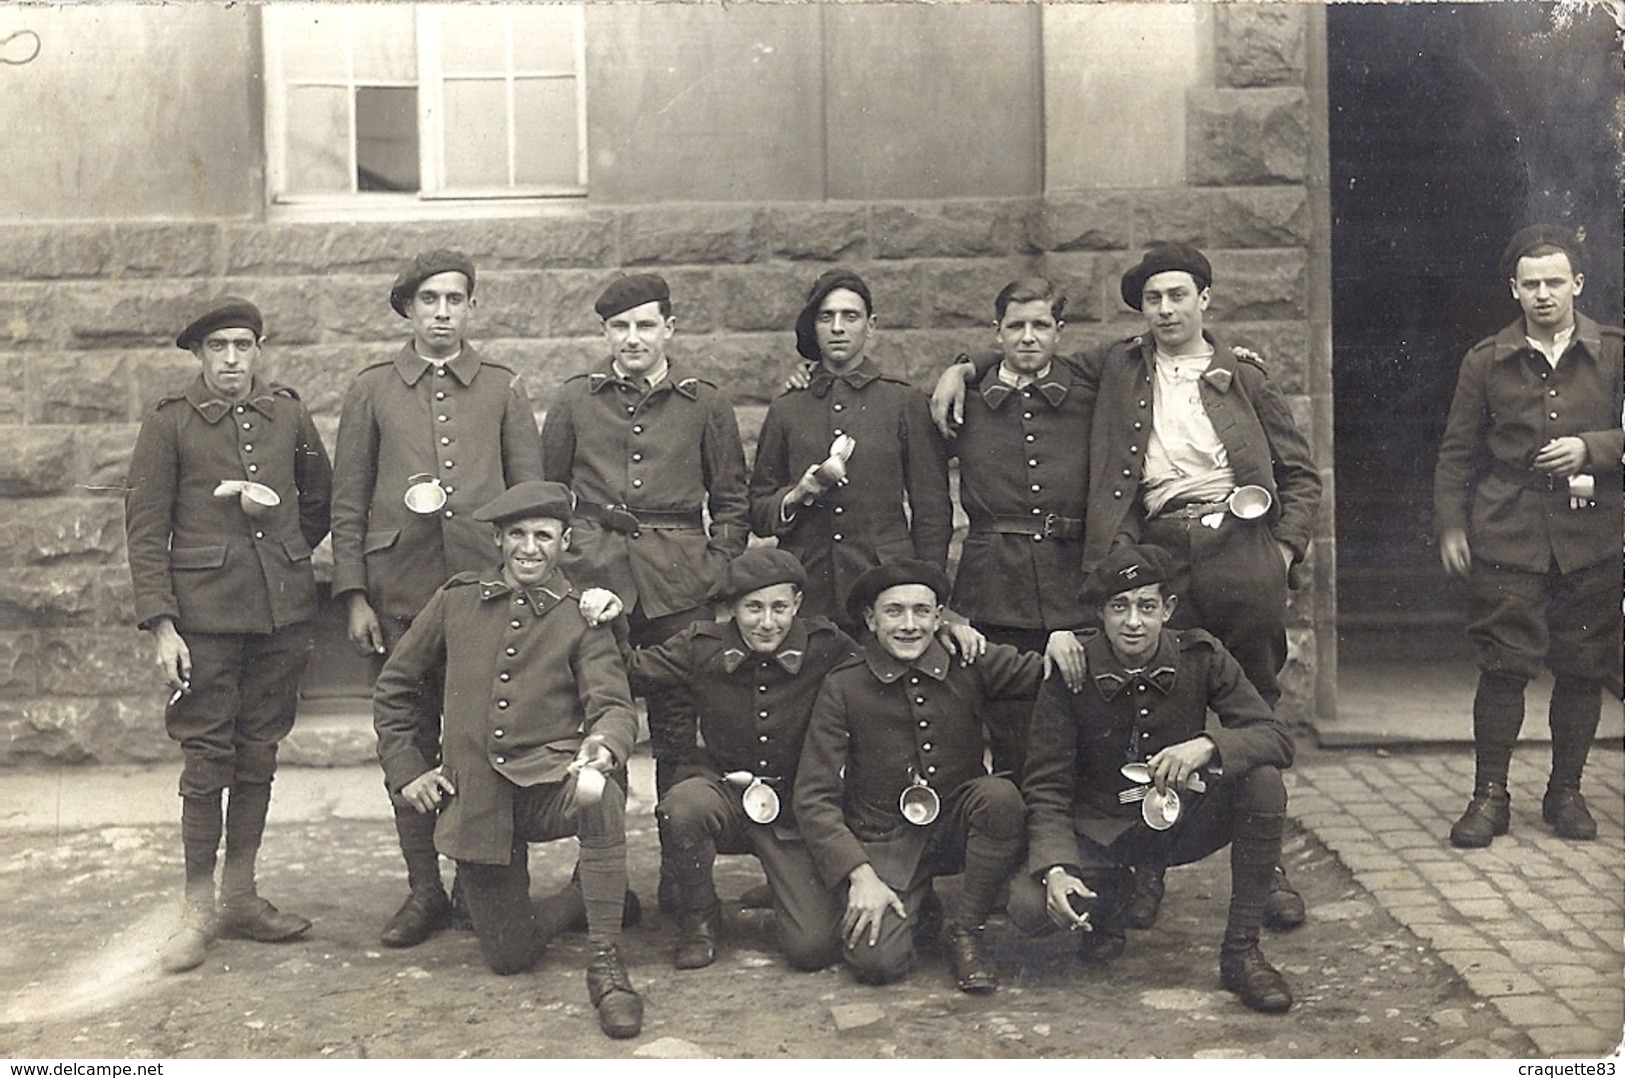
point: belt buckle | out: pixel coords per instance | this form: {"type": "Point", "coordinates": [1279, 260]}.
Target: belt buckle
{"type": "Point", "coordinates": [623, 519]}
{"type": "Point", "coordinates": [1050, 520]}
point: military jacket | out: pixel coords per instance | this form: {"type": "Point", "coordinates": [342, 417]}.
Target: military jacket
{"type": "Point", "coordinates": [1078, 742]}
{"type": "Point", "coordinates": [1023, 481]}
{"type": "Point", "coordinates": [467, 424]}
{"type": "Point", "coordinates": [672, 451]}
{"type": "Point", "coordinates": [1509, 402]}
{"type": "Point", "coordinates": [753, 708]}
{"type": "Point", "coordinates": [852, 528]}
{"type": "Point", "coordinates": [202, 560]}
{"type": "Point", "coordinates": [876, 725]}
{"type": "Point", "coordinates": [526, 681]}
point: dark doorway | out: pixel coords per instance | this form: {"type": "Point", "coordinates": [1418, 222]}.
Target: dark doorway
{"type": "Point", "coordinates": [1451, 126]}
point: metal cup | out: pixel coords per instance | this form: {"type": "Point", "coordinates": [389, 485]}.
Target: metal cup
{"type": "Point", "coordinates": [424, 494]}
{"type": "Point", "coordinates": [589, 786]}
{"type": "Point", "coordinates": [761, 801]}
{"type": "Point", "coordinates": [919, 803]}
{"type": "Point", "coordinates": [1249, 502]}
{"type": "Point", "coordinates": [257, 499]}
{"type": "Point", "coordinates": [1160, 811]}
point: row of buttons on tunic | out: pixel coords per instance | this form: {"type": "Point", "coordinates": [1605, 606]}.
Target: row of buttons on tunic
{"type": "Point", "coordinates": [505, 676]}
{"type": "Point", "coordinates": [925, 724]}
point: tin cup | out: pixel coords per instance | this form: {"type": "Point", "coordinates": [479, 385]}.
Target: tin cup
{"type": "Point", "coordinates": [919, 803]}
{"type": "Point", "coordinates": [1160, 811]}
{"type": "Point", "coordinates": [761, 801]}
{"type": "Point", "coordinates": [424, 494]}
{"type": "Point", "coordinates": [257, 499]}
{"type": "Point", "coordinates": [1249, 502]}
{"type": "Point", "coordinates": [589, 786]}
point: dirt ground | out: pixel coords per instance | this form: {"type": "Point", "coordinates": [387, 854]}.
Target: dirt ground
{"type": "Point", "coordinates": [85, 911]}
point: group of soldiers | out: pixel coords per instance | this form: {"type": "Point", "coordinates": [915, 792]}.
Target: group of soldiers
{"type": "Point", "coordinates": [830, 702]}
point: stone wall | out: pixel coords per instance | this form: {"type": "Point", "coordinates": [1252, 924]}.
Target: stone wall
{"type": "Point", "coordinates": [88, 313]}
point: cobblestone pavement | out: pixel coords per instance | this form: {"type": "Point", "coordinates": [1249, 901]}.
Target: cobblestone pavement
{"type": "Point", "coordinates": [1534, 924]}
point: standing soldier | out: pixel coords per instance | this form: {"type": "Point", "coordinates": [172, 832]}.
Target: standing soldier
{"type": "Point", "coordinates": [228, 494]}
{"type": "Point", "coordinates": [841, 519]}
{"type": "Point", "coordinates": [425, 438]}
{"type": "Point", "coordinates": [649, 450]}
{"type": "Point", "coordinates": [1526, 501]}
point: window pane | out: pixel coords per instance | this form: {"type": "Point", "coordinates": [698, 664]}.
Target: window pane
{"type": "Point", "coordinates": [318, 140]}
{"type": "Point", "coordinates": [476, 133]}
{"type": "Point", "coordinates": [474, 39]}
{"type": "Point", "coordinates": [386, 151]}
{"type": "Point", "coordinates": [386, 43]}
{"type": "Point", "coordinates": [314, 39]}
{"type": "Point", "coordinates": [544, 39]}
{"type": "Point", "coordinates": [545, 114]}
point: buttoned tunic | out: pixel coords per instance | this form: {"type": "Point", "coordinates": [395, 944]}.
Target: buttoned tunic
{"type": "Point", "coordinates": [853, 528]}
{"type": "Point", "coordinates": [466, 423]}
{"type": "Point", "coordinates": [1023, 481]}
{"type": "Point", "coordinates": [1263, 443]}
{"type": "Point", "coordinates": [200, 559]}
{"type": "Point", "coordinates": [1509, 402]}
{"type": "Point", "coordinates": [674, 450]}
{"type": "Point", "coordinates": [1078, 742]}
{"type": "Point", "coordinates": [753, 707]}
{"type": "Point", "coordinates": [526, 681]}
{"type": "Point", "coordinates": [876, 725]}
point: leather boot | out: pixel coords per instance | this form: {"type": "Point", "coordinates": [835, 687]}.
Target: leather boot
{"type": "Point", "coordinates": [1283, 909]}
{"type": "Point", "coordinates": [423, 913]}
{"type": "Point", "coordinates": [697, 937]}
{"type": "Point", "coordinates": [1565, 809]}
{"type": "Point", "coordinates": [971, 969]}
{"type": "Point", "coordinates": [1146, 901]}
{"type": "Point", "coordinates": [1107, 937]}
{"type": "Point", "coordinates": [243, 913]}
{"type": "Point", "coordinates": [1248, 974]}
{"type": "Point", "coordinates": [185, 948]}
{"type": "Point", "coordinates": [1488, 814]}
{"type": "Point", "coordinates": [620, 1008]}
{"type": "Point", "coordinates": [928, 923]}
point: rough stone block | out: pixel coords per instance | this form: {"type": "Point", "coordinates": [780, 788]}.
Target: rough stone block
{"type": "Point", "coordinates": [86, 729]}
{"type": "Point", "coordinates": [1259, 286]}
{"type": "Point", "coordinates": [58, 531]}
{"type": "Point", "coordinates": [78, 387]}
{"type": "Point", "coordinates": [1168, 215]}
{"type": "Point", "coordinates": [119, 314]}
{"type": "Point", "coordinates": [1086, 279]}
{"type": "Point", "coordinates": [959, 229]}
{"type": "Point", "coordinates": [1297, 678]}
{"type": "Point", "coordinates": [512, 303]}
{"type": "Point", "coordinates": [571, 294]}
{"type": "Point", "coordinates": [321, 373]}
{"type": "Point", "coordinates": [13, 389]}
{"type": "Point", "coordinates": [1284, 347]}
{"type": "Point", "coordinates": [93, 662]}
{"type": "Point", "coordinates": [47, 252]}
{"type": "Point", "coordinates": [104, 459]}
{"type": "Point", "coordinates": [960, 291]}
{"type": "Point", "coordinates": [927, 353]}
{"type": "Point", "coordinates": [1260, 44]}
{"type": "Point", "coordinates": [1237, 138]}
{"type": "Point", "coordinates": [71, 595]}
{"type": "Point", "coordinates": [1093, 222]}
{"type": "Point", "coordinates": [28, 317]}
{"type": "Point", "coordinates": [37, 460]}
{"type": "Point", "coordinates": [745, 368]}
{"type": "Point", "coordinates": [761, 298]}
{"type": "Point", "coordinates": [158, 371]}
{"type": "Point", "coordinates": [163, 249]}
{"type": "Point", "coordinates": [545, 363]}
{"type": "Point", "coordinates": [832, 232]}
{"type": "Point", "coordinates": [1259, 217]}
{"type": "Point", "coordinates": [349, 308]}
{"type": "Point", "coordinates": [18, 663]}
{"type": "Point", "coordinates": [664, 235]}
{"type": "Point", "coordinates": [296, 309]}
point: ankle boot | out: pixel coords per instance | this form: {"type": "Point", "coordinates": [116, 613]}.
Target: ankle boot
{"type": "Point", "coordinates": [1565, 809]}
{"type": "Point", "coordinates": [1283, 909]}
{"type": "Point", "coordinates": [620, 1008]}
{"type": "Point", "coordinates": [1247, 973]}
{"type": "Point", "coordinates": [1146, 902]}
{"type": "Point", "coordinates": [1488, 814]}
{"type": "Point", "coordinates": [243, 913]}
{"type": "Point", "coordinates": [697, 936]}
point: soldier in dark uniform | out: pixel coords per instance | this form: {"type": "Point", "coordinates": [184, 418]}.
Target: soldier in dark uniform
{"type": "Point", "coordinates": [649, 450]}
{"type": "Point", "coordinates": [840, 527]}
{"type": "Point", "coordinates": [228, 494]}
{"type": "Point", "coordinates": [536, 704]}
{"type": "Point", "coordinates": [425, 438]}
{"type": "Point", "coordinates": [902, 714]}
{"type": "Point", "coordinates": [752, 680]}
{"type": "Point", "coordinates": [1526, 501]}
{"type": "Point", "coordinates": [1147, 703]}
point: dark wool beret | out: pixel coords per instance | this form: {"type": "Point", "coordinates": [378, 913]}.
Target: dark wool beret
{"type": "Point", "coordinates": [532, 498]}
{"type": "Point", "coordinates": [829, 281]}
{"type": "Point", "coordinates": [1127, 568]}
{"type": "Point", "coordinates": [222, 313]}
{"type": "Point", "coordinates": [868, 587]}
{"type": "Point", "coordinates": [758, 567]}
{"type": "Point", "coordinates": [1162, 259]}
{"type": "Point", "coordinates": [423, 267]}
{"type": "Point", "coordinates": [633, 290]}
{"type": "Point", "coordinates": [1527, 239]}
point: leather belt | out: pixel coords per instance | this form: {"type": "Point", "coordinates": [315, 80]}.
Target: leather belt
{"type": "Point", "coordinates": [1045, 526]}
{"type": "Point", "coordinates": [1192, 510]}
{"type": "Point", "coordinates": [619, 518]}
{"type": "Point", "coordinates": [1528, 478]}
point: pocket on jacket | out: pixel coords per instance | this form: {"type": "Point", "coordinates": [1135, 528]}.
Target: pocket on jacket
{"type": "Point", "coordinates": [380, 540]}
{"type": "Point", "coordinates": [197, 557]}
{"type": "Point", "coordinates": [297, 549]}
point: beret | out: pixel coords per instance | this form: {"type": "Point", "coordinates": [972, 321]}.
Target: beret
{"type": "Point", "coordinates": [1127, 568]}
{"type": "Point", "coordinates": [828, 281]}
{"type": "Point", "coordinates": [220, 313]}
{"type": "Point", "coordinates": [1162, 259]}
{"type": "Point", "coordinates": [867, 588]}
{"type": "Point", "coordinates": [532, 498]}
{"type": "Point", "coordinates": [632, 290]}
{"type": "Point", "coordinates": [1527, 239]}
{"type": "Point", "coordinates": [758, 567]}
{"type": "Point", "coordinates": [423, 267]}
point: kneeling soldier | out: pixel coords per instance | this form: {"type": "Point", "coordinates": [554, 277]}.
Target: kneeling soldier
{"type": "Point", "coordinates": [1089, 823]}
{"type": "Point", "coordinates": [538, 726]}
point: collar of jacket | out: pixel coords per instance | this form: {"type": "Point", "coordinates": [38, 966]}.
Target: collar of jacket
{"type": "Point", "coordinates": [858, 377]}
{"type": "Point", "coordinates": [1219, 374]}
{"type": "Point", "coordinates": [688, 387]}
{"type": "Point", "coordinates": [212, 407]}
{"type": "Point", "coordinates": [792, 649]}
{"type": "Point", "coordinates": [933, 663]}
{"type": "Point", "coordinates": [412, 367]}
{"type": "Point", "coordinates": [1511, 341]}
{"type": "Point", "coordinates": [1054, 387]}
{"type": "Point", "coordinates": [1111, 675]}
{"type": "Point", "coordinates": [543, 597]}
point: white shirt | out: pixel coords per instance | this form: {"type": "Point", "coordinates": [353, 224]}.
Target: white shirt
{"type": "Point", "coordinates": [1184, 459]}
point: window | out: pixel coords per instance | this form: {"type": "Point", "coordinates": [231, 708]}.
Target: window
{"type": "Point", "coordinates": [396, 103]}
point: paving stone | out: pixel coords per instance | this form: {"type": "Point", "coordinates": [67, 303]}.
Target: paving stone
{"type": "Point", "coordinates": [1482, 908]}
{"type": "Point", "coordinates": [1491, 983]}
{"type": "Point", "coordinates": [1530, 1011]}
{"type": "Point", "coordinates": [1573, 1040]}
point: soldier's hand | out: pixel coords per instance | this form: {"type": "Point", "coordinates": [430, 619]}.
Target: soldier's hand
{"type": "Point", "coordinates": [599, 606]}
{"type": "Point", "coordinates": [1172, 767]}
{"type": "Point", "coordinates": [867, 900]}
{"type": "Point", "coordinates": [363, 628]}
{"type": "Point", "coordinates": [174, 658]}
{"type": "Point", "coordinates": [427, 791]}
{"type": "Point", "coordinates": [1064, 655]}
{"type": "Point", "coordinates": [948, 399]}
{"type": "Point", "coordinates": [965, 639]}
{"type": "Point", "coordinates": [1561, 457]}
{"type": "Point", "coordinates": [1059, 888]}
{"type": "Point", "coordinates": [1286, 555]}
{"type": "Point", "coordinates": [1454, 552]}
{"type": "Point", "coordinates": [799, 378]}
